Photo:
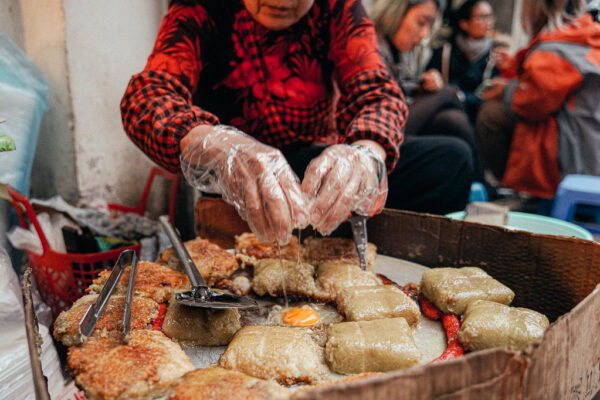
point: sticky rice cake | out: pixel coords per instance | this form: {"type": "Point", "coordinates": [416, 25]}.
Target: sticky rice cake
{"type": "Point", "coordinates": [106, 368]}
{"type": "Point", "coordinates": [366, 303]}
{"type": "Point", "coordinates": [223, 384]}
{"type": "Point", "coordinates": [200, 326]}
{"type": "Point", "coordinates": [371, 346]}
{"type": "Point", "coordinates": [452, 289]}
{"type": "Point", "coordinates": [213, 262]}
{"type": "Point", "coordinates": [333, 277]}
{"type": "Point", "coordinates": [249, 250]}
{"type": "Point", "coordinates": [272, 275]}
{"type": "Point", "coordinates": [336, 250]}
{"type": "Point", "coordinates": [143, 312]}
{"type": "Point", "coordinates": [287, 355]}
{"type": "Point", "coordinates": [152, 280]}
{"type": "Point", "coordinates": [487, 324]}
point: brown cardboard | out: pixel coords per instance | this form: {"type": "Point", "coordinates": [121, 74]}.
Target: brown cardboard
{"type": "Point", "coordinates": [554, 275]}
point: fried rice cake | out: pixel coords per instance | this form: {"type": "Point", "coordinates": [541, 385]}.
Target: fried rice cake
{"type": "Point", "coordinates": [336, 250]}
{"type": "Point", "coordinates": [274, 277]}
{"type": "Point", "coordinates": [287, 355]}
{"type": "Point", "coordinates": [143, 312]}
{"type": "Point", "coordinates": [249, 250]}
{"type": "Point", "coordinates": [155, 281]}
{"type": "Point", "coordinates": [106, 368]}
{"type": "Point", "coordinates": [332, 277]}
{"type": "Point", "coordinates": [213, 262]}
{"type": "Point", "coordinates": [366, 303]}
{"type": "Point", "coordinates": [380, 345]}
{"type": "Point", "coordinates": [223, 384]}
{"type": "Point", "coordinates": [453, 289]}
{"type": "Point", "coordinates": [198, 326]}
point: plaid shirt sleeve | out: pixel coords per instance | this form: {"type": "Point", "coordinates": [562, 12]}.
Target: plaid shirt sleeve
{"type": "Point", "coordinates": [157, 109]}
{"type": "Point", "coordinates": [371, 105]}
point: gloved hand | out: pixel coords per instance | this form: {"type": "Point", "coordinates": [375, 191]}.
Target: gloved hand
{"type": "Point", "coordinates": [341, 180]}
{"type": "Point", "coordinates": [252, 176]}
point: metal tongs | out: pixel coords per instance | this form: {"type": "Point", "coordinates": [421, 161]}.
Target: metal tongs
{"type": "Point", "coordinates": [93, 313]}
{"type": "Point", "coordinates": [200, 295]}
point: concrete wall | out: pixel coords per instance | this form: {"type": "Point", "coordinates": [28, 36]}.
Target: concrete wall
{"type": "Point", "coordinates": [88, 51]}
{"type": "Point", "coordinates": [107, 42]}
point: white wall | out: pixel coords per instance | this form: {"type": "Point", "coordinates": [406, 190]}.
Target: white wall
{"type": "Point", "coordinates": [107, 42]}
{"type": "Point", "coordinates": [11, 22]}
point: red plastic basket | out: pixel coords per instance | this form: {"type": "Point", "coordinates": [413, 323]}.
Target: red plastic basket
{"type": "Point", "coordinates": [62, 278]}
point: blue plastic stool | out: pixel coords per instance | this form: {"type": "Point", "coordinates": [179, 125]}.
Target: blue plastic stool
{"type": "Point", "coordinates": [478, 192]}
{"type": "Point", "coordinates": [574, 190]}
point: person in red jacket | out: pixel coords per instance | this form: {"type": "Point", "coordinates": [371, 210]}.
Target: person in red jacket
{"type": "Point", "coordinates": [548, 123]}
{"type": "Point", "coordinates": [243, 94]}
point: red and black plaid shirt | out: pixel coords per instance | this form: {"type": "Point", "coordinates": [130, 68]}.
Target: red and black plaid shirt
{"type": "Point", "coordinates": [213, 63]}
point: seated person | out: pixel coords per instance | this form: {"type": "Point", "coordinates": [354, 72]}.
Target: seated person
{"type": "Point", "coordinates": [545, 123]}
{"type": "Point", "coordinates": [463, 58]}
{"type": "Point", "coordinates": [434, 109]}
{"type": "Point", "coordinates": [271, 72]}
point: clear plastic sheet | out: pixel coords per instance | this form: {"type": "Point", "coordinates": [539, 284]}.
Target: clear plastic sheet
{"type": "Point", "coordinates": [16, 381]}
{"type": "Point", "coordinates": [344, 179]}
{"type": "Point", "coordinates": [255, 178]}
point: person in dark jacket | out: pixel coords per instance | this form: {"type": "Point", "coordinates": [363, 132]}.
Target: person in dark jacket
{"type": "Point", "coordinates": [465, 56]}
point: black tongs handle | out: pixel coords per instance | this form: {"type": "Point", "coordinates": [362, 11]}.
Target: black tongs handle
{"type": "Point", "coordinates": [93, 313]}
{"type": "Point", "coordinates": [198, 283]}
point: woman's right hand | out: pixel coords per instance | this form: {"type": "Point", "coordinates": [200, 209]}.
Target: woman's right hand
{"type": "Point", "coordinates": [495, 90]}
{"type": "Point", "coordinates": [432, 80]}
{"type": "Point", "coordinates": [252, 176]}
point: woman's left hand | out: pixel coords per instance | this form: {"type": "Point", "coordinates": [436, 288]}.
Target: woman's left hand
{"type": "Point", "coordinates": [432, 80]}
{"type": "Point", "coordinates": [341, 180]}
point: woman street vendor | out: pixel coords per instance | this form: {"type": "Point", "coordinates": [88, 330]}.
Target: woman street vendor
{"type": "Point", "coordinates": [243, 95]}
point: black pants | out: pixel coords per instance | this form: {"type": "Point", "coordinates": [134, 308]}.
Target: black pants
{"type": "Point", "coordinates": [441, 113]}
{"type": "Point", "coordinates": [433, 175]}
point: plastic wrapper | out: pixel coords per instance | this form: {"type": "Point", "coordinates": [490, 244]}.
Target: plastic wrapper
{"type": "Point", "coordinates": [452, 289]}
{"type": "Point", "coordinates": [371, 346]}
{"type": "Point", "coordinates": [51, 226]}
{"type": "Point", "coordinates": [344, 179]}
{"type": "Point", "coordinates": [487, 324]}
{"type": "Point", "coordinates": [255, 178]}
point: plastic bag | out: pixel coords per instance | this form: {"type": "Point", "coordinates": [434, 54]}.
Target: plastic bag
{"type": "Point", "coordinates": [51, 226]}
{"type": "Point", "coordinates": [16, 381]}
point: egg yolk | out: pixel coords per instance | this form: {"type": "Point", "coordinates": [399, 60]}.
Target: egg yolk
{"type": "Point", "coordinates": [301, 317]}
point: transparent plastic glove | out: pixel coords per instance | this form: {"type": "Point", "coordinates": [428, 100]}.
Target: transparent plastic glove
{"type": "Point", "coordinates": [253, 177]}
{"type": "Point", "coordinates": [341, 180]}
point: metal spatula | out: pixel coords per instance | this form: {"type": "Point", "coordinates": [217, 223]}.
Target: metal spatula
{"type": "Point", "coordinates": [358, 223]}
{"type": "Point", "coordinates": [200, 295]}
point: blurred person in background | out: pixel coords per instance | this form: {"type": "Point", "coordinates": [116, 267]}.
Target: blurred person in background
{"type": "Point", "coordinates": [435, 109]}
{"type": "Point", "coordinates": [545, 123]}
{"type": "Point", "coordinates": [242, 95]}
{"type": "Point", "coordinates": [464, 57]}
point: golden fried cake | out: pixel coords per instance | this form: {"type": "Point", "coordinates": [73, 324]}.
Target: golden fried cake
{"type": "Point", "coordinates": [143, 312]}
{"type": "Point", "coordinates": [249, 250]}
{"type": "Point", "coordinates": [287, 355]}
{"type": "Point", "coordinates": [223, 384]}
{"type": "Point", "coordinates": [333, 277]}
{"type": "Point", "coordinates": [487, 324]}
{"type": "Point", "coordinates": [106, 368]}
{"type": "Point", "coordinates": [452, 289]}
{"type": "Point", "coordinates": [366, 303]}
{"type": "Point", "coordinates": [152, 280]}
{"type": "Point", "coordinates": [371, 346]}
{"type": "Point", "coordinates": [200, 326]}
{"type": "Point", "coordinates": [271, 276]}
{"type": "Point", "coordinates": [213, 262]}
{"type": "Point", "coordinates": [336, 250]}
